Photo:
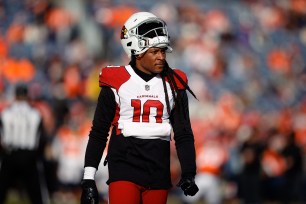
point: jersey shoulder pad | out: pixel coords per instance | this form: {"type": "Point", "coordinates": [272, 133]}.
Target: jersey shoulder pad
{"type": "Point", "coordinates": [183, 76]}
{"type": "Point", "coordinates": [113, 76]}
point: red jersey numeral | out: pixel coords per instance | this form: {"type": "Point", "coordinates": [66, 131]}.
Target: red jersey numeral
{"type": "Point", "coordinates": [136, 104]}
{"type": "Point", "coordinates": [137, 109]}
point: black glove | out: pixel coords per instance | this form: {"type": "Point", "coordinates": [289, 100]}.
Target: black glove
{"type": "Point", "coordinates": [90, 193]}
{"type": "Point", "coordinates": [188, 186]}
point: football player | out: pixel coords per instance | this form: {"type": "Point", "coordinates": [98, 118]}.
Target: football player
{"type": "Point", "coordinates": [144, 102]}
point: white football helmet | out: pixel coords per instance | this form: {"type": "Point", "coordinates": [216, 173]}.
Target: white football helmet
{"type": "Point", "coordinates": [142, 31]}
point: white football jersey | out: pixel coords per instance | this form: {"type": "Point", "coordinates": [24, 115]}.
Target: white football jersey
{"type": "Point", "coordinates": [142, 109]}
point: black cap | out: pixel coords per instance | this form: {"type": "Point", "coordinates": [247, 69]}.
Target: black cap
{"type": "Point", "coordinates": [21, 90]}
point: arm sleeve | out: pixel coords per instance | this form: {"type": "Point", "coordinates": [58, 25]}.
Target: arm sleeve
{"type": "Point", "coordinates": [183, 136]}
{"type": "Point", "coordinates": [103, 117]}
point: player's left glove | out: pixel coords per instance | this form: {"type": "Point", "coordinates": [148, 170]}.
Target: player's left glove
{"type": "Point", "coordinates": [188, 186]}
{"type": "Point", "coordinates": [90, 193]}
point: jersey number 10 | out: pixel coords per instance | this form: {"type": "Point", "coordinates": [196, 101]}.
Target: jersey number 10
{"type": "Point", "coordinates": [137, 117]}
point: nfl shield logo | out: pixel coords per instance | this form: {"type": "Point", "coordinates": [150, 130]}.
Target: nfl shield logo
{"type": "Point", "coordinates": [147, 87]}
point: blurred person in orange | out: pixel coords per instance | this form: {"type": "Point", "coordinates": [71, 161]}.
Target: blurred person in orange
{"type": "Point", "coordinates": [22, 148]}
{"type": "Point", "coordinates": [73, 84]}
{"type": "Point", "coordinates": [144, 101]}
{"type": "Point", "coordinates": [15, 70]}
{"type": "Point", "coordinates": [211, 156]}
{"type": "Point", "coordinates": [68, 148]}
{"type": "Point", "coordinates": [274, 166]}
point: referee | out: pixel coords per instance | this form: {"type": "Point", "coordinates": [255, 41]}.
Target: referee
{"type": "Point", "coordinates": [21, 149]}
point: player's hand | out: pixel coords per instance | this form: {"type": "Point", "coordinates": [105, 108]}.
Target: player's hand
{"type": "Point", "coordinates": [90, 193]}
{"type": "Point", "coordinates": [188, 186]}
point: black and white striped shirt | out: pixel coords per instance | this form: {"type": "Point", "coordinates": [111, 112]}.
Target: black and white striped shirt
{"type": "Point", "coordinates": [20, 127]}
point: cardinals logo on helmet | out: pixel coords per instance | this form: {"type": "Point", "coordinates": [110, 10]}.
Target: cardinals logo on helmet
{"type": "Point", "coordinates": [123, 33]}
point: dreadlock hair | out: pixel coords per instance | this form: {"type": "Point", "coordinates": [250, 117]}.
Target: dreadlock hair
{"type": "Point", "coordinates": [170, 75]}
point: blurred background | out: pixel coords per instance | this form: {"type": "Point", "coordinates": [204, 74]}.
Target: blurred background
{"type": "Point", "coordinates": [245, 60]}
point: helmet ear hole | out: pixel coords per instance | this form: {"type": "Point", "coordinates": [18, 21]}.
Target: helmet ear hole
{"type": "Point", "coordinates": [129, 44]}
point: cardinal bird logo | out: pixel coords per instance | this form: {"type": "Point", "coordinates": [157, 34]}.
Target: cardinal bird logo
{"type": "Point", "coordinates": [123, 33]}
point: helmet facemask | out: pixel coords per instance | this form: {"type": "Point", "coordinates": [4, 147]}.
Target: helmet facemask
{"type": "Point", "coordinates": [151, 34]}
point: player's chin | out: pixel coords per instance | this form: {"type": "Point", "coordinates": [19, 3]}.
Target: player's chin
{"type": "Point", "coordinates": [159, 68]}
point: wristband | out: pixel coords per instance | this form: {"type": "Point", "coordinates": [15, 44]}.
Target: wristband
{"type": "Point", "coordinates": [89, 173]}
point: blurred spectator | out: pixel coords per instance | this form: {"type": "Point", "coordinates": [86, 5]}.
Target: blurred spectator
{"type": "Point", "coordinates": [22, 149]}
{"type": "Point", "coordinates": [18, 70]}
{"type": "Point", "coordinates": [273, 165]}
{"type": "Point", "coordinates": [293, 174]}
{"type": "Point", "coordinates": [211, 156]}
{"type": "Point", "coordinates": [68, 148]}
{"type": "Point", "coordinates": [299, 125]}
{"type": "Point", "coordinates": [251, 174]}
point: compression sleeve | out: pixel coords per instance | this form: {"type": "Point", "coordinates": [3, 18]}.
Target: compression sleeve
{"type": "Point", "coordinates": [183, 136]}
{"type": "Point", "coordinates": [103, 116]}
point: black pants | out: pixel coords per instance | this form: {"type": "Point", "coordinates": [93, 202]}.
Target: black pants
{"type": "Point", "coordinates": [21, 168]}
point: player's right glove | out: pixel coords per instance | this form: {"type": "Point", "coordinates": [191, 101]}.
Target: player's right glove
{"type": "Point", "coordinates": [90, 193]}
{"type": "Point", "coordinates": [188, 186]}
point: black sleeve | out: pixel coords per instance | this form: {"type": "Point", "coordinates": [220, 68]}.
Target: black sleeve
{"type": "Point", "coordinates": [103, 117]}
{"type": "Point", "coordinates": [183, 136]}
